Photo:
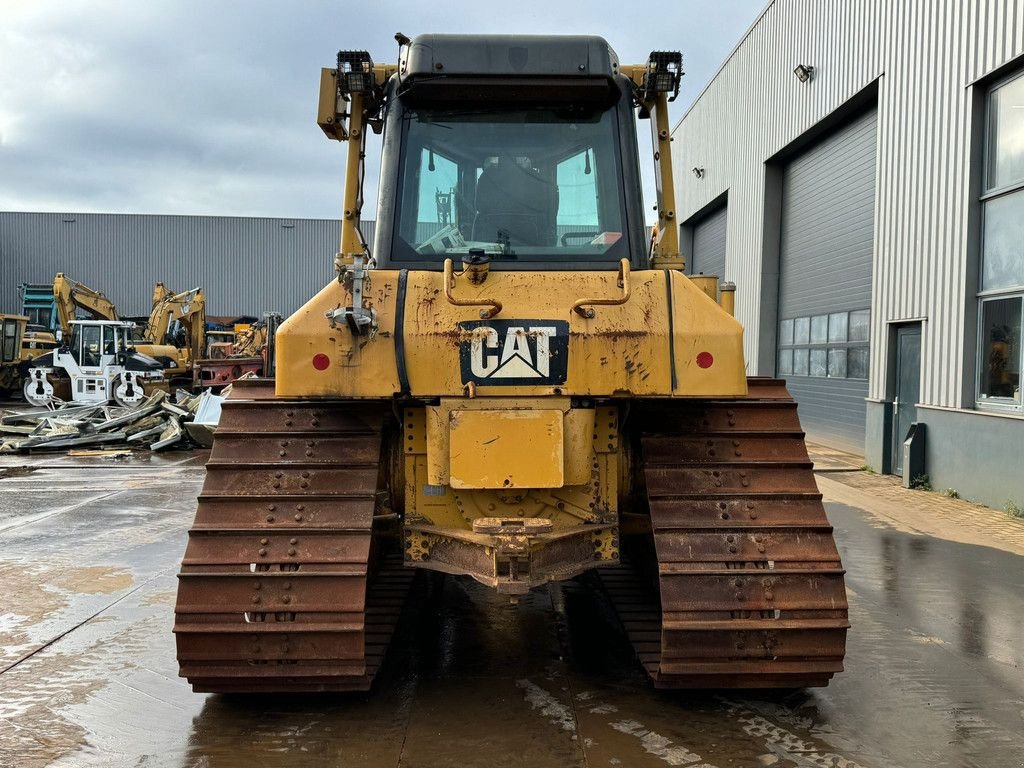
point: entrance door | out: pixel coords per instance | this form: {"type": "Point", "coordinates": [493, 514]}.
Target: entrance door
{"type": "Point", "coordinates": [908, 389]}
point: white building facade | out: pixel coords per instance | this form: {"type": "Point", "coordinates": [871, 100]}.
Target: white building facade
{"type": "Point", "coordinates": [856, 167]}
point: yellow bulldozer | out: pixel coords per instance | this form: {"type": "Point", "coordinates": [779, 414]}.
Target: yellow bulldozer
{"type": "Point", "coordinates": [512, 384]}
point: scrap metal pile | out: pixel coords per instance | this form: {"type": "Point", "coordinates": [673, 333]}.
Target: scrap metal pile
{"type": "Point", "coordinates": [156, 423]}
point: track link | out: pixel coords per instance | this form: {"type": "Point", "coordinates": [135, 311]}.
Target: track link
{"type": "Point", "coordinates": [749, 589]}
{"type": "Point", "coordinates": [283, 586]}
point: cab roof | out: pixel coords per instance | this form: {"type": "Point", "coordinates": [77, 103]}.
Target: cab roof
{"type": "Point", "coordinates": [511, 56]}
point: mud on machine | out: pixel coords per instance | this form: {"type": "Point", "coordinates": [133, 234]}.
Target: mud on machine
{"type": "Point", "coordinates": [511, 383]}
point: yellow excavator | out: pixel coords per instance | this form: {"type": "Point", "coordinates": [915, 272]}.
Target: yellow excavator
{"type": "Point", "coordinates": [175, 332]}
{"type": "Point", "coordinates": [510, 384]}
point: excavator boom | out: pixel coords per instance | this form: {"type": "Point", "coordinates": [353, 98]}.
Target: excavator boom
{"type": "Point", "coordinates": [70, 295]}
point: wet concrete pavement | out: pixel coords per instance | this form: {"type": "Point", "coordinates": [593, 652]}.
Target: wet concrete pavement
{"type": "Point", "coordinates": [88, 552]}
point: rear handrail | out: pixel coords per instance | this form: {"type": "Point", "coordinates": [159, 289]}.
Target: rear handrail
{"type": "Point", "coordinates": [581, 307]}
{"type": "Point", "coordinates": [449, 286]}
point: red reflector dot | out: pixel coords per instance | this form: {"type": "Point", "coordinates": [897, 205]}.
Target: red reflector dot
{"type": "Point", "coordinates": [321, 362]}
{"type": "Point", "coordinates": [705, 360]}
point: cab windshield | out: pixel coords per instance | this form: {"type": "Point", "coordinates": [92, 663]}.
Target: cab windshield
{"type": "Point", "coordinates": [530, 184]}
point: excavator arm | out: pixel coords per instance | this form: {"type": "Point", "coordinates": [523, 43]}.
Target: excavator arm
{"type": "Point", "coordinates": [70, 295]}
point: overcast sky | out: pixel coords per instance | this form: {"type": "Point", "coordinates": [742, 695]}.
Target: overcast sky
{"type": "Point", "coordinates": [205, 107]}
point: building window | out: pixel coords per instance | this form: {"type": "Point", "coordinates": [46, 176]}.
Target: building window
{"type": "Point", "coordinates": [1002, 248]}
{"type": "Point", "coordinates": [833, 346]}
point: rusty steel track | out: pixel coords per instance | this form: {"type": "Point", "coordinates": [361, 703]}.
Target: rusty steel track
{"type": "Point", "coordinates": [284, 587]}
{"type": "Point", "coordinates": [749, 589]}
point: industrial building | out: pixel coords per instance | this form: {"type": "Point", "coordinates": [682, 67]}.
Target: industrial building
{"type": "Point", "coordinates": [246, 266]}
{"type": "Point", "coordinates": [857, 169]}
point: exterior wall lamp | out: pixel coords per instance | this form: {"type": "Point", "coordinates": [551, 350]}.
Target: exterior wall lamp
{"type": "Point", "coordinates": [698, 172]}
{"type": "Point", "coordinates": [803, 72]}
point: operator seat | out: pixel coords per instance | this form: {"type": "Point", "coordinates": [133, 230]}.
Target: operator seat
{"type": "Point", "coordinates": [515, 203]}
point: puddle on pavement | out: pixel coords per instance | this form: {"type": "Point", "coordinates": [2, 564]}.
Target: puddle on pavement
{"type": "Point", "coordinates": [933, 676]}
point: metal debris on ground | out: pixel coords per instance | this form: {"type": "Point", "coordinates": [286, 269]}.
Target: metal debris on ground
{"type": "Point", "coordinates": [156, 423]}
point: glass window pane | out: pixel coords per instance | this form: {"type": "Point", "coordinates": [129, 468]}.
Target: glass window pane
{"type": "Point", "coordinates": [1006, 137]}
{"type": "Point", "coordinates": [10, 331]}
{"type": "Point", "coordinates": [90, 350]}
{"type": "Point", "coordinates": [857, 363]}
{"type": "Point", "coordinates": [785, 333]}
{"type": "Point", "coordinates": [577, 192]}
{"type": "Point", "coordinates": [802, 330]}
{"type": "Point", "coordinates": [1000, 362]}
{"type": "Point", "coordinates": [1003, 241]}
{"type": "Point", "coordinates": [800, 363]}
{"type": "Point", "coordinates": [819, 329]}
{"type": "Point", "coordinates": [859, 325]}
{"type": "Point", "coordinates": [837, 326]}
{"type": "Point", "coordinates": [503, 180]}
{"type": "Point", "coordinates": [837, 363]}
{"type": "Point", "coordinates": [785, 362]}
{"type": "Point", "coordinates": [818, 362]}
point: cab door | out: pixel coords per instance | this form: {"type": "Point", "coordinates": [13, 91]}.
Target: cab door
{"type": "Point", "coordinates": [89, 384]}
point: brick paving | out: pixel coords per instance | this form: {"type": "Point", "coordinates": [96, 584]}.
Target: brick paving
{"type": "Point", "coordinates": [924, 511]}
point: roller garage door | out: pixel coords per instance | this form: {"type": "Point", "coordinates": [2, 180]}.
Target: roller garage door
{"type": "Point", "coordinates": [708, 256]}
{"type": "Point", "coordinates": [828, 198]}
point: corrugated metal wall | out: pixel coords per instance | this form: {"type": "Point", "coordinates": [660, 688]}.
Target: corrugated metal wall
{"type": "Point", "coordinates": [245, 265]}
{"type": "Point", "coordinates": [709, 235]}
{"type": "Point", "coordinates": [925, 56]}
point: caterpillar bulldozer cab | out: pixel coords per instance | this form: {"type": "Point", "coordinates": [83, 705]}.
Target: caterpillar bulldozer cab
{"type": "Point", "coordinates": [513, 384]}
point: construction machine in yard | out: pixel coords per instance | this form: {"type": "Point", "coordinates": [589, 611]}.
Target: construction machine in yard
{"type": "Point", "coordinates": [235, 354]}
{"type": "Point", "coordinates": [12, 330]}
{"type": "Point", "coordinates": [95, 363]}
{"type": "Point", "coordinates": [513, 385]}
{"type": "Point", "coordinates": [175, 332]}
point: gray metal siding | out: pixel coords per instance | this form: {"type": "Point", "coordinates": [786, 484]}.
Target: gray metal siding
{"type": "Point", "coordinates": [708, 255]}
{"type": "Point", "coordinates": [925, 56]}
{"type": "Point", "coordinates": [828, 203]}
{"type": "Point", "coordinates": [245, 265]}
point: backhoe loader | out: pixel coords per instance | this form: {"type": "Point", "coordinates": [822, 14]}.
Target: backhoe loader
{"type": "Point", "coordinates": [510, 384]}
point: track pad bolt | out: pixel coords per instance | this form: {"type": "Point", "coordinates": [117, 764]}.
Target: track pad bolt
{"type": "Point", "coordinates": [255, 599]}
{"type": "Point", "coordinates": [264, 541]}
{"type": "Point", "coordinates": [263, 553]}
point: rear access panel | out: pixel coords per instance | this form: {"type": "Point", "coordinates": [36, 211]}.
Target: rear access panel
{"type": "Point", "coordinates": [506, 449]}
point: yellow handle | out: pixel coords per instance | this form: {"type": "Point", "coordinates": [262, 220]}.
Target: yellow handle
{"type": "Point", "coordinates": [581, 308]}
{"type": "Point", "coordinates": [449, 285]}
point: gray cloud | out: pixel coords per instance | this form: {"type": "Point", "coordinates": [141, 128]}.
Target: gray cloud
{"type": "Point", "coordinates": [208, 107]}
